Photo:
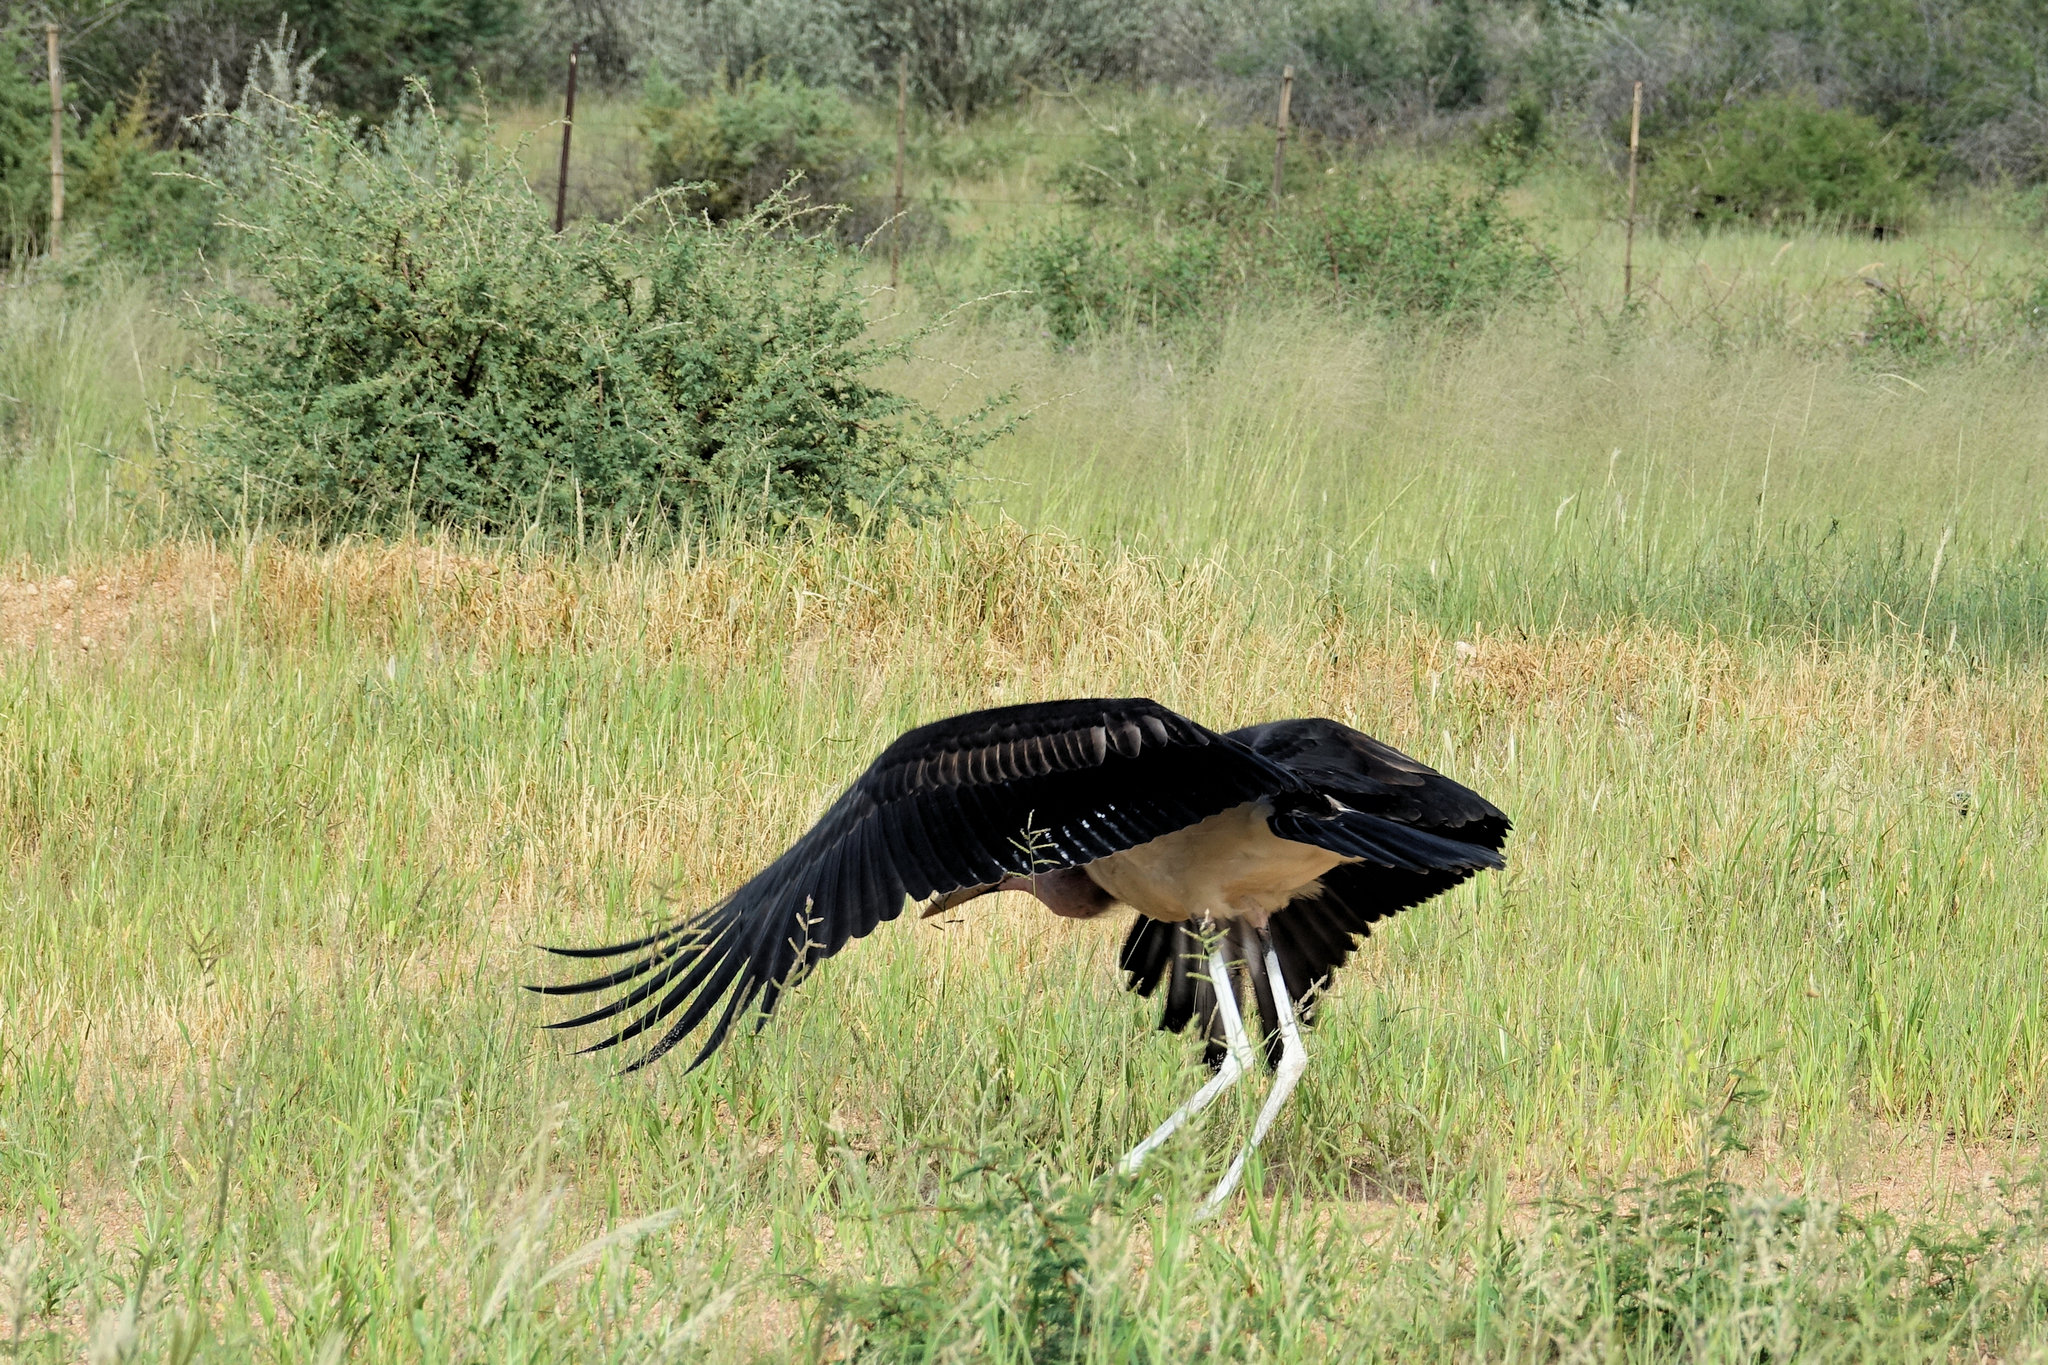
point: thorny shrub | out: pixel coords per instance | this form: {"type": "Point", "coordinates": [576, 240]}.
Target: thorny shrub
{"type": "Point", "coordinates": [1422, 247]}
{"type": "Point", "coordinates": [1175, 165]}
{"type": "Point", "coordinates": [734, 150]}
{"type": "Point", "coordinates": [424, 350]}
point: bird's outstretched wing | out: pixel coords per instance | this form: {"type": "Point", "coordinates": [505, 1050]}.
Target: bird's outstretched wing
{"type": "Point", "coordinates": [1416, 833]}
{"type": "Point", "coordinates": [960, 803]}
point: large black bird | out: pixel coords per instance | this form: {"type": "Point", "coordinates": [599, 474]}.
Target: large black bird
{"type": "Point", "coordinates": [1266, 852]}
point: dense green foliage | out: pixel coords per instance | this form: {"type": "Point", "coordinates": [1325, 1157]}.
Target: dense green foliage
{"type": "Point", "coordinates": [1077, 280]}
{"type": "Point", "coordinates": [737, 148]}
{"type": "Point", "coordinates": [1786, 160]}
{"type": "Point", "coordinates": [124, 193]}
{"type": "Point", "coordinates": [963, 56]}
{"type": "Point", "coordinates": [368, 51]}
{"type": "Point", "coordinates": [969, 55]}
{"type": "Point", "coordinates": [24, 155]}
{"type": "Point", "coordinates": [147, 204]}
{"type": "Point", "coordinates": [1961, 75]}
{"type": "Point", "coordinates": [1173, 165]}
{"type": "Point", "coordinates": [1184, 229]}
{"type": "Point", "coordinates": [426, 351]}
{"type": "Point", "coordinates": [1422, 247]}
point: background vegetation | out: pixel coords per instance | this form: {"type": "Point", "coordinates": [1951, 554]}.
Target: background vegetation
{"type": "Point", "coordinates": [428, 352]}
{"type": "Point", "coordinates": [324, 696]}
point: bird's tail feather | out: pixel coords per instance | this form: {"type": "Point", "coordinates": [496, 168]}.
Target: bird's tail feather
{"type": "Point", "coordinates": [1312, 937]}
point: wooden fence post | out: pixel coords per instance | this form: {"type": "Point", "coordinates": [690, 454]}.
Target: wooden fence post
{"type": "Point", "coordinates": [1628, 248]}
{"type": "Point", "coordinates": [1280, 138]}
{"type": "Point", "coordinates": [902, 115]}
{"type": "Point", "coordinates": [568, 124]}
{"type": "Point", "coordinates": [56, 143]}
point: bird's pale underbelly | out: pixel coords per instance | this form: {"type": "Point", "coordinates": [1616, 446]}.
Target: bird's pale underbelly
{"type": "Point", "coordinates": [1230, 866]}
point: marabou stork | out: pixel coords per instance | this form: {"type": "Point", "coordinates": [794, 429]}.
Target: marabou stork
{"type": "Point", "coordinates": [1268, 851]}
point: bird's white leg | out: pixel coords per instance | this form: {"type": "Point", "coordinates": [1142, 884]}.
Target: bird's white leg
{"type": "Point", "coordinates": [1293, 1061]}
{"type": "Point", "coordinates": [1235, 1063]}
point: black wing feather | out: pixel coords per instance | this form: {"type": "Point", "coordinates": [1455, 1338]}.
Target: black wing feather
{"type": "Point", "coordinates": [948, 806]}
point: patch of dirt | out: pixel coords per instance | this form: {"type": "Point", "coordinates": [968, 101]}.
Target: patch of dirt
{"type": "Point", "coordinates": [100, 609]}
{"type": "Point", "coordinates": [1911, 1172]}
{"type": "Point", "coordinates": [1907, 1171]}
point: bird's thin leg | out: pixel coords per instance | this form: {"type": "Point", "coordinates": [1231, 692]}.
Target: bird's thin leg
{"type": "Point", "coordinates": [1293, 1061]}
{"type": "Point", "coordinates": [1235, 1063]}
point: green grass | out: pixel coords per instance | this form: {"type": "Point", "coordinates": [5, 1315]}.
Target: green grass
{"type": "Point", "coordinates": [277, 864]}
{"type": "Point", "coordinates": [77, 377]}
{"type": "Point", "coordinates": [1756, 663]}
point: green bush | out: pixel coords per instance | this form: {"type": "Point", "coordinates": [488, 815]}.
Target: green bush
{"type": "Point", "coordinates": [1785, 159]}
{"type": "Point", "coordinates": [1905, 324]}
{"type": "Point", "coordinates": [1422, 248]}
{"type": "Point", "coordinates": [367, 51]}
{"type": "Point", "coordinates": [24, 155]}
{"type": "Point", "coordinates": [424, 350]}
{"type": "Point", "coordinates": [136, 199]}
{"type": "Point", "coordinates": [967, 56]}
{"type": "Point", "coordinates": [1080, 281]}
{"type": "Point", "coordinates": [1160, 162]}
{"type": "Point", "coordinates": [1456, 57]}
{"type": "Point", "coordinates": [1435, 247]}
{"type": "Point", "coordinates": [144, 201]}
{"type": "Point", "coordinates": [737, 149]}
{"type": "Point", "coordinates": [1182, 226]}
{"type": "Point", "coordinates": [1950, 307]}
{"type": "Point", "coordinates": [1373, 52]}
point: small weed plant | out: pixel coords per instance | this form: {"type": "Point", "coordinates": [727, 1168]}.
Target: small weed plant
{"type": "Point", "coordinates": [1025, 1280]}
{"type": "Point", "coordinates": [1696, 1266]}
